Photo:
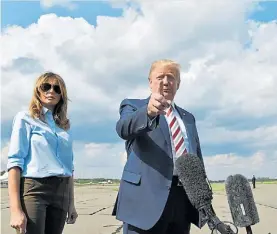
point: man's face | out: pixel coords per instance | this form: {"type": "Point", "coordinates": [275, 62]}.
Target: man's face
{"type": "Point", "coordinates": [168, 76]}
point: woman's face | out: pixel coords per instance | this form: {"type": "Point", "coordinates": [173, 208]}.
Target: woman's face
{"type": "Point", "coordinates": [51, 93]}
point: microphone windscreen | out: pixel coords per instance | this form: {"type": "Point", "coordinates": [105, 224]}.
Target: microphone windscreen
{"type": "Point", "coordinates": [192, 175]}
{"type": "Point", "coordinates": [241, 201]}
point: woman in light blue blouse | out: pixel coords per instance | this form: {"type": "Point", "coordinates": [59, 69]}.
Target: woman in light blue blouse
{"type": "Point", "coordinates": [40, 162]}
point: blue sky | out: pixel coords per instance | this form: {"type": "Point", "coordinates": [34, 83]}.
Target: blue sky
{"type": "Point", "coordinates": [267, 12]}
{"type": "Point", "coordinates": [28, 12]}
{"type": "Point", "coordinates": [25, 13]}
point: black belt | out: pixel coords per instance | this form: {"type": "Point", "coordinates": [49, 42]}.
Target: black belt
{"type": "Point", "coordinates": [49, 179]}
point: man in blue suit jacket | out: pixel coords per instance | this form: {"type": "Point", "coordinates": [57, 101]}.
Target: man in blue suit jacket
{"type": "Point", "coordinates": [151, 199]}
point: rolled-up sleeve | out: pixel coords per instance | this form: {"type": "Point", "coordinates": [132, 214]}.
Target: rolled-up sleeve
{"type": "Point", "coordinates": [19, 142]}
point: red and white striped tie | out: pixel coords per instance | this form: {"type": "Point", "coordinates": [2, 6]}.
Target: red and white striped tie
{"type": "Point", "coordinates": [177, 137]}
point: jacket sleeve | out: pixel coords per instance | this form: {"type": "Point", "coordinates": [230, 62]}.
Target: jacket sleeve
{"type": "Point", "coordinates": [134, 121]}
{"type": "Point", "coordinates": [199, 151]}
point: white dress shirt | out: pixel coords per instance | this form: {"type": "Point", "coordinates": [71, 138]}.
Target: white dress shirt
{"type": "Point", "coordinates": [184, 134]}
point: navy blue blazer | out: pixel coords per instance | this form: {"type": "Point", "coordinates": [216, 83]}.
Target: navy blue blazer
{"type": "Point", "coordinates": [147, 175]}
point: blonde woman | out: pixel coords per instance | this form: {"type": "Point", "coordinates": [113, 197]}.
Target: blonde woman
{"type": "Point", "coordinates": [40, 162]}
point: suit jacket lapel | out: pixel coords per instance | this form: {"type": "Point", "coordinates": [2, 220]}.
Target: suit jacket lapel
{"type": "Point", "coordinates": [185, 121]}
{"type": "Point", "coordinates": [165, 130]}
{"type": "Point", "coordinates": [181, 113]}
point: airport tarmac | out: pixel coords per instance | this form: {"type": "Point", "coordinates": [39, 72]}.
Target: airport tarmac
{"type": "Point", "coordinates": [94, 205]}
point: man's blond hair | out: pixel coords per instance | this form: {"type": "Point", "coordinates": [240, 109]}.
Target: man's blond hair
{"type": "Point", "coordinates": [165, 62]}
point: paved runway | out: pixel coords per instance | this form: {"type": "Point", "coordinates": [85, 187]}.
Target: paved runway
{"type": "Point", "coordinates": [94, 205]}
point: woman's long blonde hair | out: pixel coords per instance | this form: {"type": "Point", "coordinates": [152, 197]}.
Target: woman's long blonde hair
{"type": "Point", "coordinates": [60, 110]}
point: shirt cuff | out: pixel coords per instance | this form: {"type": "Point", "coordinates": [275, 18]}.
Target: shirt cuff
{"type": "Point", "coordinates": [152, 123]}
{"type": "Point", "coordinates": [15, 162]}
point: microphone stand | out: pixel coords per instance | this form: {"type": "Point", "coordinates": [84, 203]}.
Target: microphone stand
{"type": "Point", "coordinates": [208, 215]}
{"type": "Point", "coordinates": [248, 230]}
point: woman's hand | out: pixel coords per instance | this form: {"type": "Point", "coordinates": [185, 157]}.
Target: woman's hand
{"type": "Point", "coordinates": [71, 214]}
{"type": "Point", "coordinates": [18, 221]}
{"type": "Point", "coordinates": [18, 218]}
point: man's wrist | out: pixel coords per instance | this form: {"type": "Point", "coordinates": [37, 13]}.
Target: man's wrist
{"type": "Point", "coordinates": [152, 122]}
{"type": "Point", "coordinates": [151, 117]}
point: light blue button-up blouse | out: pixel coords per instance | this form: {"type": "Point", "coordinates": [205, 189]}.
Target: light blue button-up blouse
{"type": "Point", "coordinates": [40, 149]}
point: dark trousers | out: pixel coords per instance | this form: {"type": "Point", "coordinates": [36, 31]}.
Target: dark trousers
{"type": "Point", "coordinates": [175, 218]}
{"type": "Point", "coordinates": [254, 185]}
{"type": "Point", "coordinates": [45, 202]}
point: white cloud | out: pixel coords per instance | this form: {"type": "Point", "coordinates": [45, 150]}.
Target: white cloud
{"type": "Point", "coordinates": [114, 58]}
{"type": "Point", "coordinates": [259, 164]}
{"type": "Point", "coordinates": [99, 159]}
{"type": "Point", "coordinates": [243, 82]}
{"type": "Point", "coordinates": [64, 3]}
{"type": "Point", "coordinates": [227, 83]}
{"type": "Point", "coordinates": [263, 137]}
{"type": "Point", "coordinates": [4, 157]}
{"type": "Point", "coordinates": [90, 159]}
{"type": "Point", "coordinates": [107, 160]}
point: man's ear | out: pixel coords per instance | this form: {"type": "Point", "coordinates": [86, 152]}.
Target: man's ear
{"type": "Point", "coordinates": [178, 84]}
{"type": "Point", "coordinates": [150, 83]}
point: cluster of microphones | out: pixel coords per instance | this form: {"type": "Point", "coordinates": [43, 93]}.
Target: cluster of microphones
{"type": "Point", "coordinates": [192, 175]}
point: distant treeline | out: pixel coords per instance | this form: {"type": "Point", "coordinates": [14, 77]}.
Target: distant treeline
{"type": "Point", "coordinates": [258, 179]}
{"type": "Point", "coordinates": [96, 180]}
{"type": "Point", "coordinates": [114, 181]}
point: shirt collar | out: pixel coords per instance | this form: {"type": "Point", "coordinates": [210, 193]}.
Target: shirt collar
{"type": "Point", "coordinates": [45, 110]}
{"type": "Point", "coordinates": [173, 104]}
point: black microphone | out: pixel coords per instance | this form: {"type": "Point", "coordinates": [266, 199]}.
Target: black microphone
{"type": "Point", "coordinates": [241, 202]}
{"type": "Point", "coordinates": [191, 173]}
